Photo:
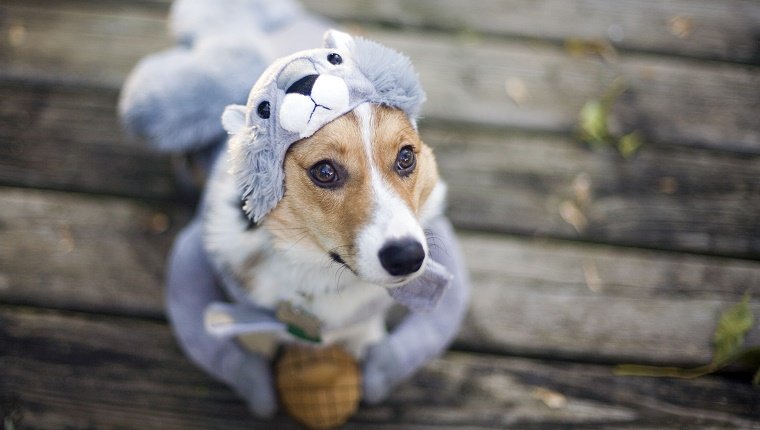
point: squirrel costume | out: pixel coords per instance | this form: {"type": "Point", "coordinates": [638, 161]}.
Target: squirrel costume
{"type": "Point", "coordinates": [174, 100]}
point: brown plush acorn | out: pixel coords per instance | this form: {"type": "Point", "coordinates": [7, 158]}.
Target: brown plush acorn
{"type": "Point", "coordinates": [319, 387]}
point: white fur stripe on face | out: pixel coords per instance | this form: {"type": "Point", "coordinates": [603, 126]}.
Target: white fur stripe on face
{"type": "Point", "coordinates": [391, 218]}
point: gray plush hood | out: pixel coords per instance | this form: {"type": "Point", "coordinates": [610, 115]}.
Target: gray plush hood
{"type": "Point", "coordinates": [299, 94]}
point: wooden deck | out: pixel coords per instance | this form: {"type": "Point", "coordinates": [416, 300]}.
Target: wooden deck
{"type": "Point", "coordinates": [581, 259]}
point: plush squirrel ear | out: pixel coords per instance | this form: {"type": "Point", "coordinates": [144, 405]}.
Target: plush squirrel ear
{"type": "Point", "coordinates": [335, 39]}
{"type": "Point", "coordinates": [391, 73]}
{"type": "Point", "coordinates": [233, 118]}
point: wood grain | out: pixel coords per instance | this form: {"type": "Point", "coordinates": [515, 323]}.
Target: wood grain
{"type": "Point", "coordinates": [544, 298]}
{"type": "Point", "coordinates": [670, 101]}
{"type": "Point", "coordinates": [599, 303]}
{"type": "Point", "coordinates": [541, 185]}
{"type": "Point", "coordinates": [88, 253]}
{"type": "Point", "coordinates": [69, 138]}
{"type": "Point", "coordinates": [64, 370]}
{"type": "Point", "coordinates": [725, 30]}
{"type": "Point", "coordinates": [668, 198]}
{"type": "Point", "coordinates": [579, 258]}
{"type": "Point", "coordinates": [79, 41]}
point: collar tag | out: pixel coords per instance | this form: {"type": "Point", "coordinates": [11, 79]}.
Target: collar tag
{"type": "Point", "coordinates": [229, 320]}
{"type": "Point", "coordinates": [300, 322]}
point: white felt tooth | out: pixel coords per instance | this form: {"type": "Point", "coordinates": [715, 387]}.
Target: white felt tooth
{"type": "Point", "coordinates": [331, 92]}
{"type": "Point", "coordinates": [295, 112]}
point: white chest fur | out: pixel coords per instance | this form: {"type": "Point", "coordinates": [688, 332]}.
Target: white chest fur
{"type": "Point", "coordinates": [351, 311]}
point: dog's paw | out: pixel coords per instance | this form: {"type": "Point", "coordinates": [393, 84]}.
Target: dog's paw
{"type": "Point", "coordinates": [254, 383]}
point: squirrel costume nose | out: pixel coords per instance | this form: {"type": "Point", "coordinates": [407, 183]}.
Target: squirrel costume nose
{"type": "Point", "coordinates": [402, 257]}
{"type": "Point", "coordinates": [303, 85]}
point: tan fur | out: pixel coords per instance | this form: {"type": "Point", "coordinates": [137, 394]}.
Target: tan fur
{"type": "Point", "coordinates": [329, 219]}
{"type": "Point", "coordinates": [393, 131]}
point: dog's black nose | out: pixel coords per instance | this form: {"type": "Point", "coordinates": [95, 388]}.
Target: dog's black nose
{"type": "Point", "coordinates": [402, 257]}
{"type": "Point", "coordinates": [303, 85]}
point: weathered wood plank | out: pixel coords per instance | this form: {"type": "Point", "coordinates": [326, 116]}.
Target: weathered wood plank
{"type": "Point", "coordinates": [74, 371]}
{"type": "Point", "coordinates": [671, 101]}
{"type": "Point", "coordinates": [701, 29]}
{"type": "Point", "coordinates": [78, 41]}
{"type": "Point", "coordinates": [682, 199]}
{"type": "Point", "coordinates": [70, 139]}
{"type": "Point", "coordinates": [544, 298]}
{"type": "Point", "coordinates": [600, 302]}
{"type": "Point", "coordinates": [725, 30]}
{"type": "Point", "coordinates": [96, 253]}
{"type": "Point", "coordinates": [701, 201]}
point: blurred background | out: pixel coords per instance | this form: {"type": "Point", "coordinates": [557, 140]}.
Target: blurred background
{"type": "Point", "coordinates": [603, 163]}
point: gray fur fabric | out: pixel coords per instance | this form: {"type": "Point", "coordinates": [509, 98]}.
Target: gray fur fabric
{"type": "Point", "coordinates": [174, 101]}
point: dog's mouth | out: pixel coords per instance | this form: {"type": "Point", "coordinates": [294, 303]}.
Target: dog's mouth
{"type": "Point", "coordinates": [400, 282]}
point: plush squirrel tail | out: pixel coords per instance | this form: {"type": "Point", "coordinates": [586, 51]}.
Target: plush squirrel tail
{"type": "Point", "coordinates": [174, 99]}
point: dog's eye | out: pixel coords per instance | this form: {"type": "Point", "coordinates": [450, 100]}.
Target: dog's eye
{"type": "Point", "coordinates": [405, 161]}
{"type": "Point", "coordinates": [326, 175]}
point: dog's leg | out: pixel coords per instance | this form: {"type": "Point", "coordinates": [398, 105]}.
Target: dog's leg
{"type": "Point", "coordinates": [421, 336]}
{"type": "Point", "coordinates": [191, 287]}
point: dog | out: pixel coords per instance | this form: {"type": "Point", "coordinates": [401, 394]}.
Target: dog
{"type": "Point", "coordinates": [323, 206]}
{"type": "Point", "coordinates": [358, 193]}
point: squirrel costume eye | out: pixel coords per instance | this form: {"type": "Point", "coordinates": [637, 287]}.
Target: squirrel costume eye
{"type": "Point", "coordinates": [326, 174]}
{"type": "Point", "coordinates": [405, 161]}
{"type": "Point", "coordinates": [334, 58]}
{"type": "Point", "coordinates": [263, 110]}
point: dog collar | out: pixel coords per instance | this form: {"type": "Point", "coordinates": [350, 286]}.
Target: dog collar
{"type": "Point", "coordinates": [229, 320]}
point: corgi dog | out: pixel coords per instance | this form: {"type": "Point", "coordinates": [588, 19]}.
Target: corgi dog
{"type": "Point", "coordinates": [322, 202]}
{"type": "Point", "coordinates": [351, 224]}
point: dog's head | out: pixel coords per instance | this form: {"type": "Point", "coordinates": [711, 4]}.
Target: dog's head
{"type": "Point", "coordinates": [327, 156]}
{"type": "Point", "coordinates": [355, 192]}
